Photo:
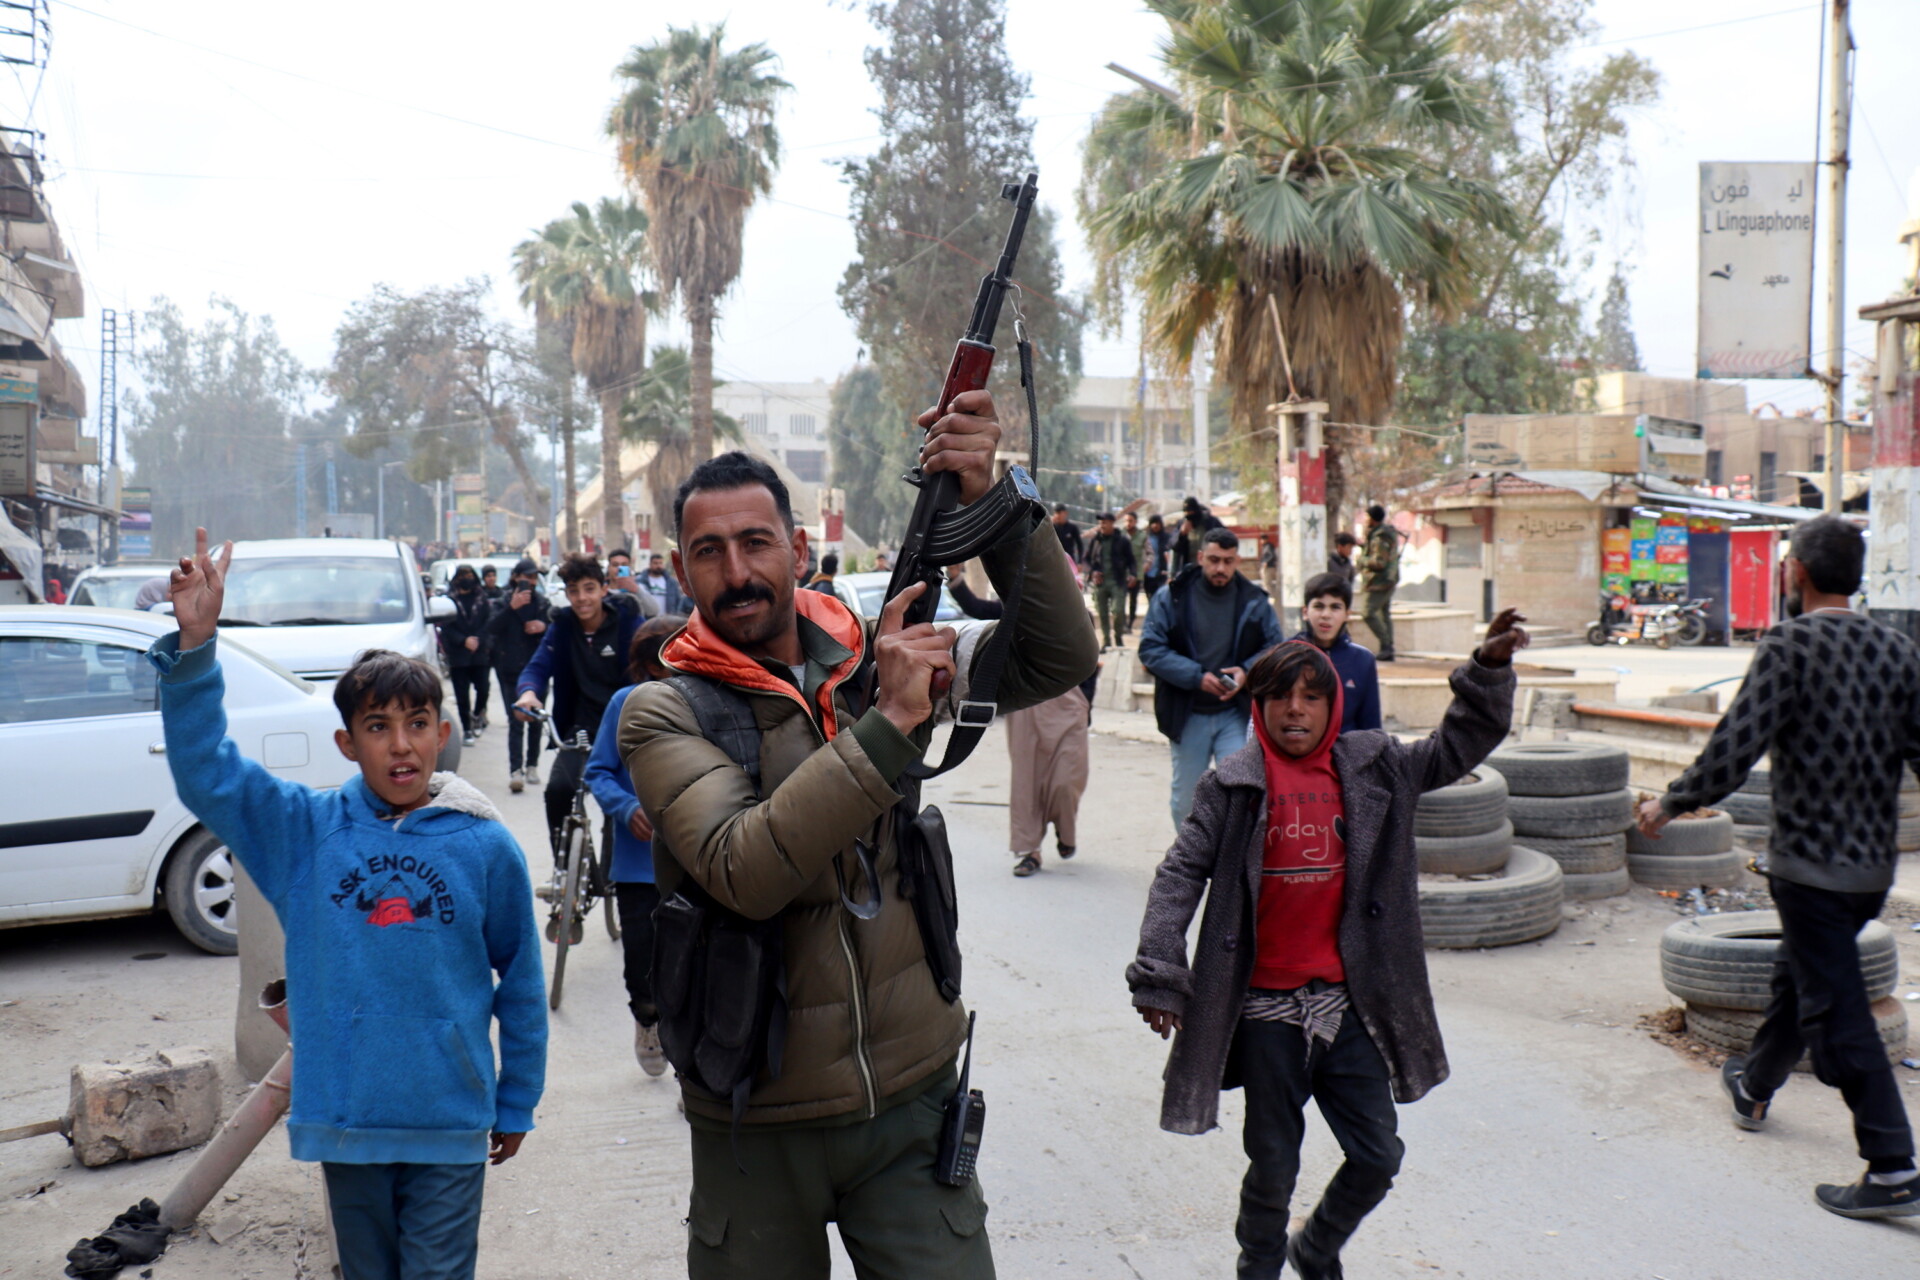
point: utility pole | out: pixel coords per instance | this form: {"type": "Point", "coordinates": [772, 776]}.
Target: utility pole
{"type": "Point", "coordinates": [107, 540]}
{"type": "Point", "coordinates": [1839, 119]}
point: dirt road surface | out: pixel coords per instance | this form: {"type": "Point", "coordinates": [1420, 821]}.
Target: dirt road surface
{"type": "Point", "coordinates": [1567, 1144]}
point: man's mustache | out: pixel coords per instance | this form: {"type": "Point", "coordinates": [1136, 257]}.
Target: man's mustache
{"type": "Point", "coordinates": [747, 593]}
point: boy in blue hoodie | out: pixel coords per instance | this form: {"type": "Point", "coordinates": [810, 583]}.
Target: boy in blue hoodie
{"type": "Point", "coordinates": [1325, 606]}
{"type": "Point", "coordinates": [402, 897]}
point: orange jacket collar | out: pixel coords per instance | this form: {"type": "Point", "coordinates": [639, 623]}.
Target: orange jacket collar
{"type": "Point", "coordinates": [698, 649]}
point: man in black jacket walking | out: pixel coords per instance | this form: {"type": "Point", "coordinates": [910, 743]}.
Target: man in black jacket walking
{"type": "Point", "coordinates": [1833, 698]}
{"type": "Point", "coordinates": [464, 637]}
{"type": "Point", "coordinates": [519, 620]}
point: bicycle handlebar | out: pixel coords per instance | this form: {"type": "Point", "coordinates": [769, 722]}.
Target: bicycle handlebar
{"type": "Point", "coordinates": [540, 715]}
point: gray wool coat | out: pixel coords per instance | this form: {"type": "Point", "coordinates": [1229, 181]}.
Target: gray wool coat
{"type": "Point", "coordinates": [1381, 945]}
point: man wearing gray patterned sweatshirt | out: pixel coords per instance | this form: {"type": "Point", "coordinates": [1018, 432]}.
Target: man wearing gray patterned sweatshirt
{"type": "Point", "coordinates": [1834, 699]}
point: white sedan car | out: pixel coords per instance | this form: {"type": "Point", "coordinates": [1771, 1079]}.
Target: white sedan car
{"type": "Point", "coordinates": [90, 826]}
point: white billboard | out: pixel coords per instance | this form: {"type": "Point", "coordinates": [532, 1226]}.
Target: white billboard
{"type": "Point", "coordinates": [1756, 269]}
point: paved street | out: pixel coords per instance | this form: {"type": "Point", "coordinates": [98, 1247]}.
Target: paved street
{"type": "Point", "coordinates": [1567, 1144]}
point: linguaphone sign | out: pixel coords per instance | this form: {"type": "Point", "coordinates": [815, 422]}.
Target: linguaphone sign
{"type": "Point", "coordinates": [1756, 269]}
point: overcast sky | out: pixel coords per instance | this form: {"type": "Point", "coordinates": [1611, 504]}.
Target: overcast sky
{"type": "Point", "coordinates": [292, 157]}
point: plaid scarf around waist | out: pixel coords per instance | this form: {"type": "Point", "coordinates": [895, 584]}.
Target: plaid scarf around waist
{"type": "Point", "coordinates": [1317, 1009]}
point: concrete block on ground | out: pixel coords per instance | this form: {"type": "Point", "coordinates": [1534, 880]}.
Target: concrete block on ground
{"type": "Point", "coordinates": [1707, 700]}
{"type": "Point", "coordinates": [125, 1111]}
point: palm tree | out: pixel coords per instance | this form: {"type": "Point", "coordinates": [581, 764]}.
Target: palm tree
{"type": "Point", "coordinates": [588, 268]}
{"type": "Point", "coordinates": [697, 142]}
{"type": "Point", "coordinates": [1285, 187]}
{"type": "Point", "coordinates": [660, 413]}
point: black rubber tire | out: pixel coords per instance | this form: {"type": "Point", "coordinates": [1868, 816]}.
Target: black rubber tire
{"type": "Point", "coordinates": [1693, 630]}
{"type": "Point", "coordinates": [1732, 1030]}
{"type": "Point", "coordinates": [1711, 834]}
{"type": "Point", "coordinates": [1465, 855]}
{"type": "Point", "coordinates": [1561, 768]}
{"type": "Point", "coordinates": [198, 891]}
{"type": "Point", "coordinates": [1571, 817]}
{"type": "Point", "coordinates": [1754, 838]}
{"type": "Point", "coordinates": [1726, 961]}
{"type": "Point", "coordinates": [1473, 806]}
{"type": "Point", "coordinates": [1599, 884]}
{"type": "Point", "coordinates": [1588, 856]}
{"type": "Point", "coordinates": [1596, 635]}
{"type": "Point", "coordinates": [1687, 871]}
{"type": "Point", "coordinates": [569, 907]}
{"type": "Point", "coordinates": [603, 882]}
{"type": "Point", "coordinates": [1758, 782]}
{"type": "Point", "coordinates": [1748, 808]}
{"type": "Point", "coordinates": [1520, 905]}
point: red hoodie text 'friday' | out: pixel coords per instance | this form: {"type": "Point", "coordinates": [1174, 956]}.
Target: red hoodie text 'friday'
{"type": "Point", "coordinates": [1303, 878]}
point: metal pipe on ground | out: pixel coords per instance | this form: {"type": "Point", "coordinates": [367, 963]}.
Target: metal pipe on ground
{"type": "Point", "coordinates": [244, 1129]}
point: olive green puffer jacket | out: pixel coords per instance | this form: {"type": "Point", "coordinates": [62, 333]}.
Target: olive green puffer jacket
{"type": "Point", "coordinates": [865, 1021]}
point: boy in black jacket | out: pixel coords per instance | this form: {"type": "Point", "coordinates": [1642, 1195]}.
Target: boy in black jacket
{"type": "Point", "coordinates": [518, 621]}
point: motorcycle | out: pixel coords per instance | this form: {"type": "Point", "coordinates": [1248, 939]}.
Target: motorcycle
{"type": "Point", "coordinates": [1693, 622]}
{"type": "Point", "coordinates": [1624, 621]}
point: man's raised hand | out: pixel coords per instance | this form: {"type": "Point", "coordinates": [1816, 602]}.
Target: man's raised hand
{"type": "Point", "coordinates": [963, 440]}
{"type": "Point", "coordinates": [908, 659]}
{"type": "Point", "coordinates": [197, 589]}
{"type": "Point", "coordinates": [1505, 636]}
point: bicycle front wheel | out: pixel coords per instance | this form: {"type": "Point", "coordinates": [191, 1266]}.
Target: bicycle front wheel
{"type": "Point", "coordinates": [577, 855]}
{"type": "Point", "coordinates": [606, 880]}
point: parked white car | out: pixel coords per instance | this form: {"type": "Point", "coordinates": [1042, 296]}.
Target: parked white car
{"type": "Point", "coordinates": [315, 604]}
{"type": "Point", "coordinates": [866, 595]}
{"type": "Point", "coordinates": [90, 826]}
{"type": "Point", "coordinates": [115, 586]}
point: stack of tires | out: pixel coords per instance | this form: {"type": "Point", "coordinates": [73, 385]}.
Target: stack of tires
{"type": "Point", "coordinates": [1514, 894]}
{"type": "Point", "coordinates": [1569, 801]}
{"type": "Point", "coordinates": [1694, 850]}
{"type": "Point", "coordinates": [1721, 966]}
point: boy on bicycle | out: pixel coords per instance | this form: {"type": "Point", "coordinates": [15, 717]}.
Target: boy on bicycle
{"type": "Point", "coordinates": [403, 897]}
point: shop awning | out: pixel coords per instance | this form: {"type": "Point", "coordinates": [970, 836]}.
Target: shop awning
{"type": "Point", "coordinates": [1757, 512]}
{"type": "Point", "coordinates": [54, 499]}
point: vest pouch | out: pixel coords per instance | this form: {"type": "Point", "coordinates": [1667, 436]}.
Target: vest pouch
{"type": "Point", "coordinates": [926, 879]}
{"type": "Point", "coordinates": [679, 986]}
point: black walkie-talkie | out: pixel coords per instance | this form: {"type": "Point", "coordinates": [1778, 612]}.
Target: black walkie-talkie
{"type": "Point", "coordinates": [966, 1119]}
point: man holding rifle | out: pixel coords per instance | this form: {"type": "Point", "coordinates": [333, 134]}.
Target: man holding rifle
{"type": "Point", "coordinates": [844, 1126]}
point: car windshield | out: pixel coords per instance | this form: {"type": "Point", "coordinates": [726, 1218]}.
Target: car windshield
{"type": "Point", "coordinates": [310, 591]}
{"type": "Point", "coordinates": [113, 592]}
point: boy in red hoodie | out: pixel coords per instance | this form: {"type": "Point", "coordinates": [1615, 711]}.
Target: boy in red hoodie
{"type": "Point", "coordinates": [1302, 844]}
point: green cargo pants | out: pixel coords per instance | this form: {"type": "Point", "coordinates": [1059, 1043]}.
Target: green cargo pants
{"type": "Point", "coordinates": [873, 1179]}
{"type": "Point", "coordinates": [1379, 619]}
{"type": "Point", "coordinates": [1110, 602]}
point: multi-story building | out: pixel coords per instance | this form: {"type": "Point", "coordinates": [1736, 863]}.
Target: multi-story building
{"type": "Point", "coordinates": [46, 487]}
{"type": "Point", "coordinates": [1140, 435]}
{"type": "Point", "coordinates": [786, 421]}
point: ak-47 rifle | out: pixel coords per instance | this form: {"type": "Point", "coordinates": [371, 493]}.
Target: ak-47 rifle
{"type": "Point", "coordinates": [941, 532]}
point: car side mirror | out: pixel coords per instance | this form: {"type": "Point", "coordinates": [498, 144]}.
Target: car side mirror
{"type": "Point", "coordinates": [440, 608]}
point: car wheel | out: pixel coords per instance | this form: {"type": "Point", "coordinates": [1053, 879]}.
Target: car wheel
{"type": "Point", "coordinates": [199, 893]}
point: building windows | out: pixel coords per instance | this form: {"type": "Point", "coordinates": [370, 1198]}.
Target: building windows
{"type": "Point", "coordinates": [1173, 477]}
{"type": "Point", "coordinates": [1769, 463]}
{"type": "Point", "coordinates": [800, 424]}
{"type": "Point", "coordinates": [756, 423]}
{"type": "Point", "coordinates": [808, 465]}
{"type": "Point", "coordinates": [1716, 461]}
{"type": "Point", "coordinates": [1096, 432]}
{"type": "Point", "coordinates": [1174, 431]}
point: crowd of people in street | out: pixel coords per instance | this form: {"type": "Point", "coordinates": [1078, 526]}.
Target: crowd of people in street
{"type": "Point", "coordinates": [757, 749]}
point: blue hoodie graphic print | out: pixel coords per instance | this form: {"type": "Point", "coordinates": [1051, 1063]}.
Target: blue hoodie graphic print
{"type": "Point", "coordinates": [408, 937]}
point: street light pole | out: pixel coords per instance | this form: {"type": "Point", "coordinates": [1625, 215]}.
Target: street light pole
{"type": "Point", "coordinates": [380, 498]}
{"type": "Point", "coordinates": [1839, 118]}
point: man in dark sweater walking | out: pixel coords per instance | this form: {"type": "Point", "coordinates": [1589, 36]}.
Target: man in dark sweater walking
{"type": "Point", "coordinates": [1834, 699]}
